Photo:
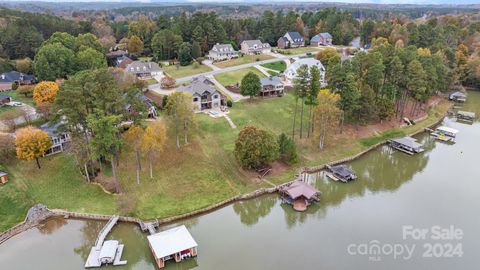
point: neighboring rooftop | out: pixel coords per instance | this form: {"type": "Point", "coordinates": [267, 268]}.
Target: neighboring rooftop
{"type": "Point", "coordinates": [408, 141]}
{"type": "Point", "coordinates": [142, 67]}
{"type": "Point", "coordinates": [270, 81]}
{"type": "Point", "coordinates": [197, 87]}
{"type": "Point", "coordinates": [52, 130]}
{"type": "Point", "coordinates": [295, 36]}
{"type": "Point", "coordinates": [171, 241]}
{"type": "Point", "coordinates": [13, 76]}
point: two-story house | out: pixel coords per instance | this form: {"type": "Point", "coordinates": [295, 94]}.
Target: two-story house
{"type": "Point", "coordinates": [221, 52]}
{"type": "Point", "coordinates": [8, 78]}
{"type": "Point", "coordinates": [254, 47]}
{"type": "Point", "coordinates": [60, 140]}
{"type": "Point", "coordinates": [204, 95]}
{"type": "Point", "coordinates": [144, 69]}
{"type": "Point", "coordinates": [291, 72]}
{"type": "Point", "coordinates": [271, 86]}
{"type": "Point", "coordinates": [291, 40]}
{"type": "Point", "coordinates": [322, 39]}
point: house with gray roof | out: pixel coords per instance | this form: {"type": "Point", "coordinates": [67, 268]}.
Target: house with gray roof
{"type": "Point", "coordinates": [291, 40]}
{"type": "Point", "coordinates": [221, 52]}
{"type": "Point", "coordinates": [271, 86]}
{"type": "Point", "coordinates": [291, 71]}
{"type": "Point", "coordinates": [4, 99]}
{"type": "Point", "coordinates": [204, 95]}
{"type": "Point", "coordinates": [144, 69]}
{"type": "Point", "coordinates": [60, 140]}
{"type": "Point", "coordinates": [254, 47]}
{"type": "Point", "coordinates": [8, 78]}
{"type": "Point", "coordinates": [322, 39]}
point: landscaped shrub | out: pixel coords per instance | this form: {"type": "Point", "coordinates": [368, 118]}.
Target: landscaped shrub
{"type": "Point", "coordinates": [14, 86]}
{"type": "Point", "coordinates": [229, 103]}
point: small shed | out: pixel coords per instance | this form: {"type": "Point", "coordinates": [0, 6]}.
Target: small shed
{"type": "Point", "coordinates": [299, 194]}
{"type": "Point", "coordinates": [3, 177]}
{"type": "Point", "coordinates": [176, 243]}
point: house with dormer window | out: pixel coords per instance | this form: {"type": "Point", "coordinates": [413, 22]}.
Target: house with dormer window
{"type": "Point", "coordinates": [143, 69]}
{"type": "Point", "coordinates": [291, 40]}
{"type": "Point", "coordinates": [204, 95]}
{"type": "Point", "coordinates": [221, 52]}
{"type": "Point", "coordinates": [254, 47]}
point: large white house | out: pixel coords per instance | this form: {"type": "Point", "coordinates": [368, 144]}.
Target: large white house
{"type": "Point", "coordinates": [221, 52]}
{"type": "Point", "coordinates": [291, 71]}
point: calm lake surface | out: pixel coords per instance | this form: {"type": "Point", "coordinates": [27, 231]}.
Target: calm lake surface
{"type": "Point", "coordinates": [440, 187]}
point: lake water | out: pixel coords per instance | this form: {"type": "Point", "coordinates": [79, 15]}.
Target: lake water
{"type": "Point", "coordinates": [394, 192]}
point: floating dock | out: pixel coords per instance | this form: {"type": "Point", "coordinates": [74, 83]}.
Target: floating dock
{"type": "Point", "coordinates": [105, 252]}
{"type": "Point", "coordinates": [465, 116]}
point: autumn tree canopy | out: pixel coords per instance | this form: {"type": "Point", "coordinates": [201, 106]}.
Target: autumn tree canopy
{"type": "Point", "coordinates": [32, 143]}
{"type": "Point", "coordinates": [45, 92]}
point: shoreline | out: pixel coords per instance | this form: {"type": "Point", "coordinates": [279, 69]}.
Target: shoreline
{"type": "Point", "coordinates": [46, 213]}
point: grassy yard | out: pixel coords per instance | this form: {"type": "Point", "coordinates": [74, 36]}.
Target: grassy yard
{"type": "Point", "coordinates": [185, 71]}
{"type": "Point", "coordinates": [246, 59]}
{"type": "Point", "coordinates": [234, 77]}
{"type": "Point", "coordinates": [20, 98]}
{"type": "Point", "coordinates": [198, 174]}
{"type": "Point", "coordinates": [278, 66]}
{"type": "Point", "coordinates": [300, 50]}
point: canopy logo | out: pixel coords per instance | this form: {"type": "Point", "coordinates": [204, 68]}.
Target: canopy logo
{"type": "Point", "coordinates": [376, 250]}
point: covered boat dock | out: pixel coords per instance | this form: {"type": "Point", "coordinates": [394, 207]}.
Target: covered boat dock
{"type": "Point", "coordinates": [466, 116]}
{"type": "Point", "coordinates": [341, 173]}
{"type": "Point", "coordinates": [445, 134]}
{"type": "Point", "coordinates": [458, 96]}
{"type": "Point", "coordinates": [176, 243]}
{"type": "Point", "coordinates": [407, 145]}
{"type": "Point", "coordinates": [300, 195]}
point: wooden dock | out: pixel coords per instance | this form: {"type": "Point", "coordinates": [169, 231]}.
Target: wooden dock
{"type": "Point", "coordinates": [93, 259]}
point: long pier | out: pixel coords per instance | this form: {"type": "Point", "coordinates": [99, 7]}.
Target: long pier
{"type": "Point", "coordinates": [94, 256]}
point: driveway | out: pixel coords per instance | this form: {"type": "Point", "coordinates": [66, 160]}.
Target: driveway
{"type": "Point", "coordinates": [234, 96]}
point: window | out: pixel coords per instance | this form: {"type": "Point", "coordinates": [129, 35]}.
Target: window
{"type": "Point", "coordinates": [195, 99]}
{"type": "Point", "coordinates": [215, 96]}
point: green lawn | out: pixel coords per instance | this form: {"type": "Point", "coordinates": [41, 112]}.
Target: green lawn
{"type": "Point", "coordinates": [58, 185]}
{"type": "Point", "coordinates": [20, 98]}
{"type": "Point", "coordinates": [185, 71]}
{"type": "Point", "coordinates": [278, 66]}
{"type": "Point", "coordinates": [300, 50]}
{"type": "Point", "coordinates": [198, 174]}
{"type": "Point", "coordinates": [234, 77]}
{"type": "Point", "coordinates": [246, 59]}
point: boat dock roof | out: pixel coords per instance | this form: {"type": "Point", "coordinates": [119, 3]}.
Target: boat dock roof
{"type": "Point", "coordinates": [300, 188]}
{"type": "Point", "coordinates": [408, 141]}
{"type": "Point", "coordinates": [341, 170]}
{"type": "Point", "coordinates": [171, 241]}
{"type": "Point", "coordinates": [466, 114]}
{"type": "Point", "coordinates": [447, 130]}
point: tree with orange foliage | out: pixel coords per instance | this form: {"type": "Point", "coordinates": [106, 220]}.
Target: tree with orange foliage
{"type": "Point", "coordinates": [45, 92]}
{"type": "Point", "coordinates": [32, 143]}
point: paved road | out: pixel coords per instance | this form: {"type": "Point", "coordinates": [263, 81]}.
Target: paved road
{"type": "Point", "coordinates": [227, 69]}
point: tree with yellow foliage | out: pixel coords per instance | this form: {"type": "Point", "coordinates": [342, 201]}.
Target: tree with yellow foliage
{"type": "Point", "coordinates": [327, 116]}
{"type": "Point", "coordinates": [134, 137]}
{"type": "Point", "coordinates": [153, 141]}
{"type": "Point", "coordinates": [32, 143]}
{"type": "Point", "coordinates": [45, 92]}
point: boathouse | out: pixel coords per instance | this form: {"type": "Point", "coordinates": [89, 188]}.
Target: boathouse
{"type": "Point", "coordinates": [465, 116]}
{"type": "Point", "coordinates": [447, 131]}
{"type": "Point", "coordinates": [299, 194]}
{"type": "Point", "coordinates": [176, 243]}
{"type": "Point", "coordinates": [407, 145]}
{"type": "Point", "coordinates": [3, 177]}
{"type": "Point", "coordinates": [458, 96]}
{"type": "Point", "coordinates": [341, 173]}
